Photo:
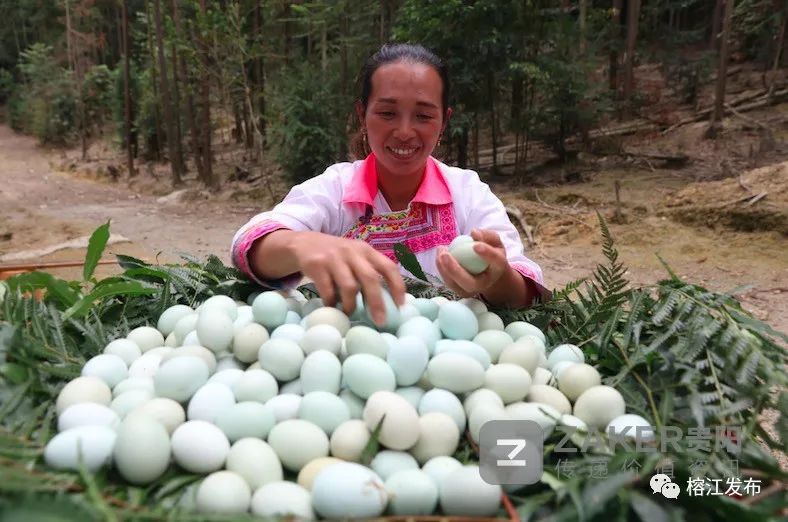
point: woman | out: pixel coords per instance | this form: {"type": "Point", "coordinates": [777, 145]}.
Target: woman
{"type": "Point", "coordinates": [339, 228]}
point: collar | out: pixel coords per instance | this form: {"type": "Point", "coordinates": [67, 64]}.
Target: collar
{"type": "Point", "coordinates": [363, 186]}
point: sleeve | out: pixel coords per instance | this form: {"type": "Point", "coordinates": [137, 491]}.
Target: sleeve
{"type": "Point", "coordinates": [486, 211]}
{"type": "Point", "coordinates": [311, 205]}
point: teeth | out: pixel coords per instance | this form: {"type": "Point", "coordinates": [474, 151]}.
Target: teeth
{"type": "Point", "coordinates": [403, 152]}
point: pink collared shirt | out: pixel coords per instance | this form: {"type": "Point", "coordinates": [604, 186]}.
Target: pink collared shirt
{"type": "Point", "coordinates": [345, 201]}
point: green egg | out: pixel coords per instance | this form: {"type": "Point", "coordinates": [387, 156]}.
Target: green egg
{"type": "Point", "coordinates": [457, 321]}
{"type": "Point", "coordinates": [467, 257]}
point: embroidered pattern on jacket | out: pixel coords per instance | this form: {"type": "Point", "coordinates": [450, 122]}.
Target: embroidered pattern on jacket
{"type": "Point", "coordinates": [420, 227]}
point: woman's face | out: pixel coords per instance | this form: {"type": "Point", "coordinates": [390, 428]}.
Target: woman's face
{"type": "Point", "coordinates": [404, 116]}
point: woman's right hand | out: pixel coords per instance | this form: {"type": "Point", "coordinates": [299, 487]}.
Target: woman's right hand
{"type": "Point", "coordinates": [347, 266]}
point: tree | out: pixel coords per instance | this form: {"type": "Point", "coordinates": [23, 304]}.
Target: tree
{"type": "Point", "coordinates": [722, 72]}
{"type": "Point", "coordinates": [633, 18]}
{"type": "Point", "coordinates": [173, 144]}
{"type": "Point", "coordinates": [127, 88]}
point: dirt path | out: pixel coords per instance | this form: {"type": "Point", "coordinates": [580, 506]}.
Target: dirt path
{"type": "Point", "coordinates": [41, 207]}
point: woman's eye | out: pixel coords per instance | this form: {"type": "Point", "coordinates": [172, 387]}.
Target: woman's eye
{"type": "Point", "coordinates": [424, 117]}
{"type": "Point", "coordinates": [386, 114]}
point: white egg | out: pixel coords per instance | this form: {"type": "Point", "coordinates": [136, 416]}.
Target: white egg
{"type": "Point", "coordinates": [355, 404]}
{"type": "Point", "coordinates": [400, 426]}
{"type": "Point", "coordinates": [185, 324]}
{"type": "Point", "coordinates": [443, 401]}
{"type": "Point", "coordinates": [170, 317]}
{"type": "Point", "coordinates": [134, 383]}
{"type": "Point", "coordinates": [321, 337]}
{"type": "Point", "coordinates": [91, 445]}
{"type": "Point", "coordinates": [256, 461]}
{"type": "Point", "coordinates": [293, 332]}
{"type": "Point", "coordinates": [565, 352]}
{"type": "Point", "coordinates": [349, 440]}
{"type": "Point", "coordinates": [494, 342]}
{"type": "Point", "coordinates": [578, 378]}
{"type": "Point", "coordinates": [296, 442]}
{"type": "Point", "coordinates": [282, 358]}
{"type": "Point", "coordinates": [87, 414]}
{"type": "Point", "coordinates": [199, 446]}
{"type": "Point", "coordinates": [128, 401]}
{"type": "Point", "coordinates": [455, 372]}
{"type": "Point", "coordinates": [437, 468]}
{"type": "Point", "coordinates": [292, 387]}
{"type": "Point", "coordinates": [518, 329]}
{"type": "Point", "coordinates": [544, 394]}
{"type": "Point", "coordinates": [560, 366]}
{"type": "Point", "coordinates": [126, 349]}
{"type": "Point", "coordinates": [226, 361]}
{"type": "Point", "coordinates": [215, 330]}
{"type": "Point", "coordinates": [476, 306]}
{"type": "Point", "coordinates": [411, 492]}
{"type": "Point", "coordinates": [142, 467]}
{"type": "Point", "coordinates": [109, 368]}
{"type": "Point", "coordinates": [464, 347]}
{"type": "Point", "coordinates": [632, 426]}
{"type": "Point", "coordinates": [438, 436]}
{"type": "Point", "coordinates": [255, 385]}
{"type": "Point", "coordinates": [412, 394]}
{"type": "Point", "coordinates": [524, 353]}
{"type": "Point", "coordinates": [166, 411]}
{"type": "Point", "coordinates": [83, 389]}
{"type": "Point", "coordinates": [388, 462]}
{"type": "Point", "coordinates": [207, 356]}
{"type": "Point", "coordinates": [285, 406]}
{"type": "Point", "coordinates": [146, 337]}
{"type": "Point", "coordinates": [481, 396]}
{"type": "Point", "coordinates": [348, 490]}
{"type": "Point", "coordinates": [146, 365]}
{"type": "Point", "coordinates": [224, 492]}
{"type": "Point", "coordinates": [229, 377]}
{"type": "Point", "coordinates": [599, 405]}
{"type": "Point", "coordinates": [463, 492]}
{"type": "Point", "coordinates": [483, 413]}
{"type": "Point", "coordinates": [363, 339]}
{"type": "Point", "coordinates": [328, 315]}
{"type": "Point", "coordinates": [192, 339]}
{"type": "Point", "coordinates": [180, 377]}
{"type": "Point", "coordinates": [510, 381]}
{"type": "Point", "coordinates": [223, 303]}
{"type": "Point", "coordinates": [542, 376]}
{"type": "Point", "coordinates": [248, 340]}
{"type": "Point", "coordinates": [543, 414]}
{"type": "Point", "coordinates": [490, 321]}
{"type": "Point", "coordinates": [283, 499]}
{"type": "Point", "coordinates": [209, 401]}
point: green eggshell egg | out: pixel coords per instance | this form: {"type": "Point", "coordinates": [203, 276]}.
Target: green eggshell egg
{"type": "Point", "coordinates": [518, 329]}
{"type": "Point", "coordinates": [363, 339]}
{"type": "Point", "coordinates": [412, 492]}
{"type": "Point", "coordinates": [321, 371]}
{"type": "Point", "coordinates": [467, 257]}
{"type": "Point", "coordinates": [393, 317]}
{"type": "Point", "coordinates": [282, 358]}
{"type": "Point", "coordinates": [323, 409]}
{"type": "Point", "coordinates": [455, 372]}
{"type": "Point", "coordinates": [423, 328]}
{"type": "Point", "coordinates": [246, 419]}
{"type": "Point", "coordinates": [494, 341]}
{"type": "Point", "coordinates": [457, 321]}
{"type": "Point", "coordinates": [427, 308]}
{"type": "Point", "coordinates": [365, 374]}
{"type": "Point", "coordinates": [270, 309]}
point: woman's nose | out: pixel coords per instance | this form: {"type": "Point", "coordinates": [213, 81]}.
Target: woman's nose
{"type": "Point", "coordinates": [405, 129]}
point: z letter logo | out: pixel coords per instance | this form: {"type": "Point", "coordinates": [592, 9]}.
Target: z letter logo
{"type": "Point", "coordinates": [519, 445]}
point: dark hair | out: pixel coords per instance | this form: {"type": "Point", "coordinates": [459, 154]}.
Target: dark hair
{"type": "Point", "coordinates": [392, 53]}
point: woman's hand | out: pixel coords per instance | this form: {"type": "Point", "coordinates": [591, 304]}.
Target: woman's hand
{"type": "Point", "coordinates": [462, 282]}
{"type": "Point", "coordinates": [347, 266]}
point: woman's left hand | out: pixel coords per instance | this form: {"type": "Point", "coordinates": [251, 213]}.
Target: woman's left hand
{"type": "Point", "coordinates": [462, 282]}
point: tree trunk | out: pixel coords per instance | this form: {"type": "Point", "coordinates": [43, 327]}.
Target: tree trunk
{"type": "Point", "coordinates": [127, 90]}
{"type": "Point", "coordinates": [582, 16]}
{"type": "Point", "coordinates": [715, 24]}
{"type": "Point", "coordinates": [633, 17]}
{"type": "Point", "coordinates": [722, 72]}
{"type": "Point", "coordinates": [615, 41]}
{"type": "Point", "coordinates": [188, 108]}
{"type": "Point", "coordinates": [238, 130]}
{"type": "Point", "coordinates": [343, 73]}
{"type": "Point", "coordinates": [779, 51]}
{"type": "Point", "coordinates": [154, 80]}
{"type": "Point", "coordinates": [172, 142]}
{"type": "Point", "coordinates": [205, 102]}
{"type": "Point", "coordinates": [259, 73]}
{"type": "Point", "coordinates": [462, 149]}
{"type": "Point", "coordinates": [176, 102]}
{"type": "Point", "coordinates": [493, 120]}
{"type": "Point", "coordinates": [516, 110]}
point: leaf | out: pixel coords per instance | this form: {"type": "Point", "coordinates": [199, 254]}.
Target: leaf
{"type": "Point", "coordinates": [599, 493]}
{"type": "Point", "coordinates": [59, 289]}
{"type": "Point", "coordinates": [371, 449]}
{"type": "Point", "coordinates": [126, 288]}
{"type": "Point", "coordinates": [96, 244]}
{"type": "Point", "coordinates": [408, 260]}
{"type": "Point", "coordinates": [128, 262]}
{"type": "Point", "coordinates": [647, 509]}
{"type": "Point", "coordinates": [14, 373]}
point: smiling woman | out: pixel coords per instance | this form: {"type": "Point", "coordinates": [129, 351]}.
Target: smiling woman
{"type": "Point", "coordinates": [340, 228]}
